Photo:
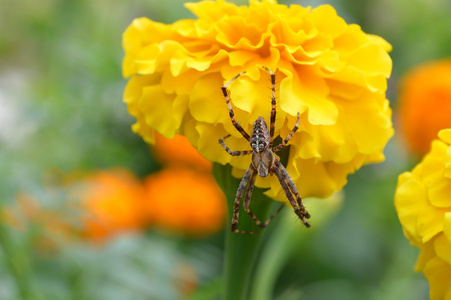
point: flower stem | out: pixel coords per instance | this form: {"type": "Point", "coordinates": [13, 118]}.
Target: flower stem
{"type": "Point", "coordinates": [17, 264]}
{"type": "Point", "coordinates": [241, 250]}
{"type": "Point", "coordinates": [275, 255]}
{"type": "Point", "coordinates": [287, 238]}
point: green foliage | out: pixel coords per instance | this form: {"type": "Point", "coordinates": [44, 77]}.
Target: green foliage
{"type": "Point", "coordinates": [61, 111]}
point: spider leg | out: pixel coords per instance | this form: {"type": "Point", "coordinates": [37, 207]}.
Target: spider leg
{"type": "Point", "coordinates": [229, 105]}
{"type": "Point", "coordinates": [247, 201]}
{"type": "Point", "coordinates": [285, 142]}
{"type": "Point", "coordinates": [289, 188]}
{"type": "Point", "coordinates": [272, 217]}
{"type": "Point", "coordinates": [233, 153]}
{"type": "Point", "coordinates": [292, 187]}
{"type": "Point", "coordinates": [250, 173]}
{"type": "Point", "coordinates": [273, 105]}
{"type": "Point", "coordinates": [247, 198]}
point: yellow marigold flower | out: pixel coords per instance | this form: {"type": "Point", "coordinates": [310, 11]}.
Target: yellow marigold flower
{"type": "Point", "coordinates": [425, 104]}
{"type": "Point", "coordinates": [423, 204]}
{"type": "Point", "coordinates": [330, 72]}
{"type": "Point", "coordinates": [184, 200]}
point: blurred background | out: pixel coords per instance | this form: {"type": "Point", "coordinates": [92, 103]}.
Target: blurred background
{"type": "Point", "coordinates": [68, 158]}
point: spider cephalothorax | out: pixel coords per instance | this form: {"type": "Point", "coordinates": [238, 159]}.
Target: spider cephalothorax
{"type": "Point", "coordinates": [264, 161]}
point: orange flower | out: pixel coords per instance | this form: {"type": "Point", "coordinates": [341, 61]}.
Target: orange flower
{"type": "Point", "coordinates": [185, 200]}
{"type": "Point", "coordinates": [425, 104]}
{"type": "Point", "coordinates": [178, 151]}
{"type": "Point", "coordinates": [112, 202]}
{"type": "Point", "coordinates": [102, 204]}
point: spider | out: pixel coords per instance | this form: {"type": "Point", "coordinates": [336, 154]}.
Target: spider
{"type": "Point", "coordinates": [264, 161]}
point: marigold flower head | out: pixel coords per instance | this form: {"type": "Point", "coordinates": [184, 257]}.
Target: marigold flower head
{"type": "Point", "coordinates": [111, 202]}
{"type": "Point", "coordinates": [423, 205]}
{"type": "Point", "coordinates": [186, 201]}
{"type": "Point", "coordinates": [425, 104]}
{"type": "Point", "coordinates": [330, 72]}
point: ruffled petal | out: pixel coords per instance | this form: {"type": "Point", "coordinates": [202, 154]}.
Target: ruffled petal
{"type": "Point", "coordinates": [442, 247]}
{"type": "Point", "coordinates": [410, 198]}
{"type": "Point", "coordinates": [438, 273]}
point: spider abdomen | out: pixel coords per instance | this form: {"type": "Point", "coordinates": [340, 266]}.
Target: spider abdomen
{"type": "Point", "coordinates": [260, 136]}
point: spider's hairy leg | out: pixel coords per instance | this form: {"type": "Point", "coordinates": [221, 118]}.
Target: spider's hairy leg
{"type": "Point", "coordinates": [285, 142]}
{"type": "Point", "coordinates": [229, 105]}
{"type": "Point", "coordinates": [292, 187]}
{"type": "Point", "coordinates": [273, 105]}
{"type": "Point", "coordinates": [247, 198]}
{"type": "Point", "coordinates": [233, 153]}
{"type": "Point", "coordinates": [250, 181]}
{"type": "Point", "coordinates": [288, 187]}
{"type": "Point", "coordinates": [263, 225]}
{"type": "Point", "coordinates": [250, 174]}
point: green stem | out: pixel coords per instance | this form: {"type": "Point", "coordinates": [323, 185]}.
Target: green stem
{"type": "Point", "coordinates": [241, 250]}
{"type": "Point", "coordinates": [17, 264]}
{"type": "Point", "coordinates": [286, 240]}
{"type": "Point", "coordinates": [274, 257]}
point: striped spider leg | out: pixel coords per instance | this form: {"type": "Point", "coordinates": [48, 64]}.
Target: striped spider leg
{"type": "Point", "coordinates": [264, 161]}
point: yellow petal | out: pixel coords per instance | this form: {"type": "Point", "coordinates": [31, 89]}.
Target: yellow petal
{"type": "Point", "coordinates": [447, 225]}
{"type": "Point", "coordinates": [301, 90]}
{"type": "Point", "coordinates": [409, 202]}
{"type": "Point", "coordinates": [445, 135]}
{"type": "Point", "coordinates": [208, 144]}
{"type": "Point", "coordinates": [206, 102]}
{"type": "Point", "coordinates": [429, 223]}
{"type": "Point", "coordinates": [355, 116]}
{"type": "Point", "coordinates": [381, 42]}
{"type": "Point", "coordinates": [442, 247]}
{"type": "Point", "coordinates": [254, 97]}
{"type": "Point", "coordinates": [165, 125]}
{"type": "Point", "coordinates": [326, 20]}
{"type": "Point", "coordinates": [439, 186]}
{"type": "Point", "coordinates": [212, 11]}
{"type": "Point", "coordinates": [427, 253]}
{"type": "Point", "coordinates": [146, 60]}
{"type": "Point", "coordinates": [379, 64]}
{"type": "Point", "coordinates": [235, 32]}
{"type": "Point", "coordinates": [439, 192]}
{"type": "Point", "coordinates": [438, 273]}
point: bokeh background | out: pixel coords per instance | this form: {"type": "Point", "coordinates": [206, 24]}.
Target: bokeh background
{"type": "Point", "coordinates": [62, 121]}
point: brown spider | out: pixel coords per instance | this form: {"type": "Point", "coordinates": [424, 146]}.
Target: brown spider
{"type": "Point", "coordinates": [264, 161]}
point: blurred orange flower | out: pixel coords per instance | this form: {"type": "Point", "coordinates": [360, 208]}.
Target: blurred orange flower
{"type": "Point", "coordinates": [425, 104]}
{"type": "Point", "coordinates": [186, 201]}
{"type": "Point", "coordinates": [96, 206]}
{"type": "Point", "coordinates": [178, 151]}
{"type": "Point", "coordinates": [112, 202]}
{"type": "Point", "coordinates": [102, 204]}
